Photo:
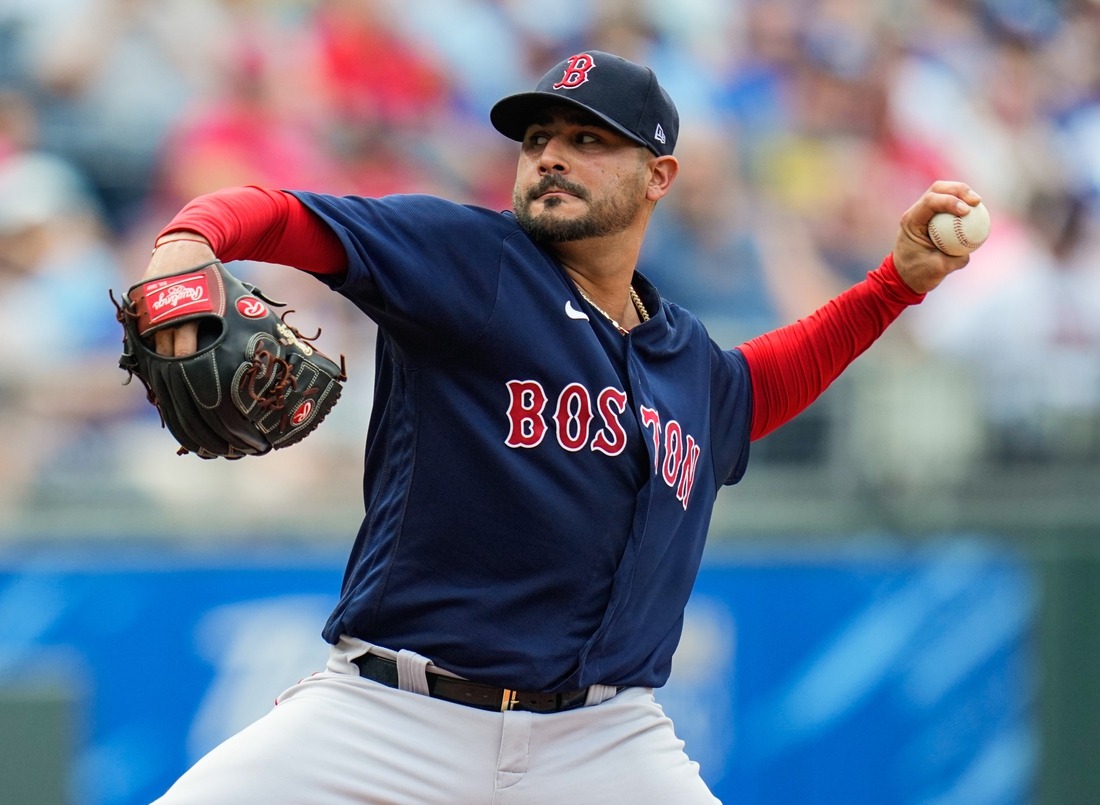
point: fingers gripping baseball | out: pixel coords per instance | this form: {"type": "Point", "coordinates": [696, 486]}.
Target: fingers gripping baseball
{"type": "Point", "coordinates": [921, 264]}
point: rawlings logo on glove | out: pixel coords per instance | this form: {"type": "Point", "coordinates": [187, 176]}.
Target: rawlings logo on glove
{"type": "Point", "coordinates": [254, 384]}
{"type": "Point", "coordinates": [186, 295]}
{"type": "Point", "coordinates": [251, 308]}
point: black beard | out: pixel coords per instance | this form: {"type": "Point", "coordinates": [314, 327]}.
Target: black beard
{"type": "Point", "coordinates": [608, 216]}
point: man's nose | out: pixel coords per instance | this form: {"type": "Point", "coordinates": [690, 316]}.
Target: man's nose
{"type": "Point", "coordinates": [554, 158]}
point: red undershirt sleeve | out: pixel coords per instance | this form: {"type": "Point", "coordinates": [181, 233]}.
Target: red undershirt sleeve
{"type": "Point", "coordinates": [251, 223]}
{"type": "Point", "coordinates": [791, 366]}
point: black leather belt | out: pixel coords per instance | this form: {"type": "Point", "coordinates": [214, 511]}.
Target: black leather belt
{"type": "Point", "coordinates": [473, 694]}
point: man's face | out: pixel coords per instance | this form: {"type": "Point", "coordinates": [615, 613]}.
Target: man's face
{"type": "Point", "coordinates": [577, 179]}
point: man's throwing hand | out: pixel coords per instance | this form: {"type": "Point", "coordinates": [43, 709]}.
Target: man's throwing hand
{"type": "Point", "coordinates": [916, 257]}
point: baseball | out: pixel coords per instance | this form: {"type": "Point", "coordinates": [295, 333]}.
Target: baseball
{"type": "Point", "coordinates": [958, 235]}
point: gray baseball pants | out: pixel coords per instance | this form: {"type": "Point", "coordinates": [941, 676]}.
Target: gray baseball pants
{"type": "Point", "coordinates": [338, 739]}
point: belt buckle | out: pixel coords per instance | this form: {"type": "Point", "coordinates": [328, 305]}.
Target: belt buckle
{"type": "Point", "coordinates": [508, 700]}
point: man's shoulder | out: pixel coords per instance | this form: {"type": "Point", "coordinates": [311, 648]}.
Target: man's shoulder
{"type": "Point", "coordinates": [689, 332]}
{"type": "Point", "coordinates": [437, 205]}
{"type": "Point", "coordinates": [412, 210]}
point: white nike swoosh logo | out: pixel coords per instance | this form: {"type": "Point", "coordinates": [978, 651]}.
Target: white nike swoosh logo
{"type": "Point", "coordinates": [573, 313]}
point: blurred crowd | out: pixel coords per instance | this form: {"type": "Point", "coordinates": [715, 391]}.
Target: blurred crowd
{"type": "Point", "coordinates": [807, 128]}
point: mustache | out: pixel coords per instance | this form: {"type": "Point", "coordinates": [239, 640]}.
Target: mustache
{"type": "Point", "coordinates": [552, 182]}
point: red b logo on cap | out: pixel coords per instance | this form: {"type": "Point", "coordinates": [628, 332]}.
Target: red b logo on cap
{"type": "Point", "coordinates": [576, 71]}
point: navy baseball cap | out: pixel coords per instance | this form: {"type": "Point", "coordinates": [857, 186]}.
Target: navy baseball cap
{"type": "Point", "coordinates": [622, 94]}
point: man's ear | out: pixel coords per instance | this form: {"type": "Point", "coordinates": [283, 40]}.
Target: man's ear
{"type": "Point", "coordinates": [662, 173]}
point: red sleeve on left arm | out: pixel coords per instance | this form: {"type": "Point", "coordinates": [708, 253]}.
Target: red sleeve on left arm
{"type": "Point", "coordinates": [791, 366]}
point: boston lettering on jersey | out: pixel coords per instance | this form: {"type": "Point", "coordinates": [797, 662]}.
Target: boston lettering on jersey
{"type": "Point", "coordinates": [573, 418]}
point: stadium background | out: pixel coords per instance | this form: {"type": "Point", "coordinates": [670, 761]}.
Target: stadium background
{"type": "Point", "coordinates": [901, 602]}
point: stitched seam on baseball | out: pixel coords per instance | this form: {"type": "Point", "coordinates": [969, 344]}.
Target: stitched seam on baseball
{"type": "Point", "coordinates": [934, 233]}
{"type": "Point", "coordinates": [958, 226]}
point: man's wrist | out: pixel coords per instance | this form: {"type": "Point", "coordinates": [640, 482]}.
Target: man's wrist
{"type": "Point", "coordinates": [896, 283]}
{"type": "Point", "coordinates": [171, 255]}
{"type": "Point", "coordinates": [181, 235]}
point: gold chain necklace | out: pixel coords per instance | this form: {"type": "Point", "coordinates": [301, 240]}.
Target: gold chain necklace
{"type": "Point", "coordinates": [634, 298]}
{"type": "Point", "coordinates": [638, 304]}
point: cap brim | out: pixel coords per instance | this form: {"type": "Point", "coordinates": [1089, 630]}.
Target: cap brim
{"type": "Point", "coordinates": [512, 115]}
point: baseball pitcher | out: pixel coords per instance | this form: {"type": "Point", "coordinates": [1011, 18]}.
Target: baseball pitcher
{"type": "Point", "coordinates": [547, 440]}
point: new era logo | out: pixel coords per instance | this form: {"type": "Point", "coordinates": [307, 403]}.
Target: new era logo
{"type": "Point", "coordinates": [659, 135]}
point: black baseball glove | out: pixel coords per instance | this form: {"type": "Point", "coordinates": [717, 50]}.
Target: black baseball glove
{"type": "Point", "coordinates": [253, 384]}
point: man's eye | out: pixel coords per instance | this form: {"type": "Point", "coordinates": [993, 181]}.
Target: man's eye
{"type": "Point", "coordinates": [587, 139]}
{"type": "Point", "coordinates": [539, 139]}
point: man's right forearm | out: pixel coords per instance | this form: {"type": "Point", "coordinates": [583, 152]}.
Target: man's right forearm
{"type": "Point", "coordinates": [251, 223]}
{"type": "Point", "coordinates": [791, 366]}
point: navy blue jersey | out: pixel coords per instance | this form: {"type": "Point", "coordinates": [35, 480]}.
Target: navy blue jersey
{"type": "Point", "coordinates": [538, 487]}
